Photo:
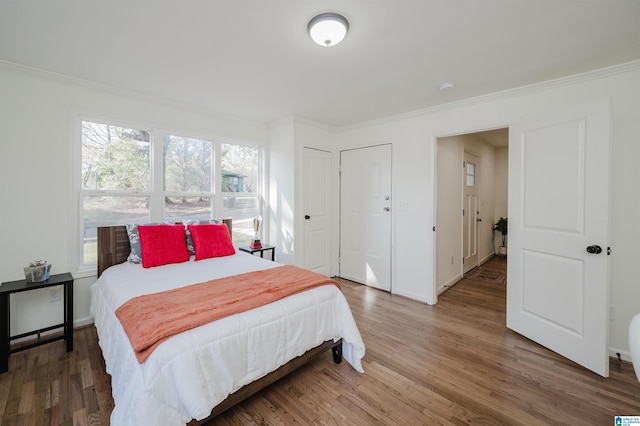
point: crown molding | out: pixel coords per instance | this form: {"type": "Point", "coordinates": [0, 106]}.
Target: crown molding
{"type": "Point", "coordinates": [132, 94]}
{"type": "Point", "coordinates": [312, 123]}
{"type": "Point", "coordinates": [127, 93]}
{"type": "Point", "coordinates": [503, 94]}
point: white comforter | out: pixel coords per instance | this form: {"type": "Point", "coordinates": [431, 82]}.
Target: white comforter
{"type": "Point", "coordinates": [189, 374]}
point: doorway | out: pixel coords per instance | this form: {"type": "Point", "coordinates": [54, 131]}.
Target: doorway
{"type": "Point", "coordinates": [559, 191]}
{"type": "Point", "coordinates": [465, 214]}
{"type": "Point", "coordinates": [470, 211]}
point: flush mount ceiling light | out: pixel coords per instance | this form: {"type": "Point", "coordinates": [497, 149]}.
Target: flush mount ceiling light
{"type": "Point", "coordinates": [328, 29]}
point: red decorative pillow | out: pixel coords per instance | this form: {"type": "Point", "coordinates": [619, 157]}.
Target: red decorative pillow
{"type": "Point", "coordinates": [211, 240]}
{"type": "Point", "coordinates": [162, 244]}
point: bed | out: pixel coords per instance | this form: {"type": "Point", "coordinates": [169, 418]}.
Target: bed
{"type": "Point", "coordinates": [197, 374]}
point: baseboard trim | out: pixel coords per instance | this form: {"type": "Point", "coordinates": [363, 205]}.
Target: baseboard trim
{"type": "Point", "coordinates": [82, 322]}
{"type": "Point", "coordinates": [625, 355]}
{"type": "Point", "coordinates": [487, 258]}
{"type": "Point", "coordinates": [449, 283]}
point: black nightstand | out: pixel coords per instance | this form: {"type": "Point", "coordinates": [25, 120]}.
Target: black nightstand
{"type": "Point", "coordinates": [7, 288]}
{"type": "Point", "coordinates": [261, 250]}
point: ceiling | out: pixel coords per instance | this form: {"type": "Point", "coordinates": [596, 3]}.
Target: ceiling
{"type": "Point", "coordinates": [496, 137]}
{"type": "Point", "coordinates": [254, 58]}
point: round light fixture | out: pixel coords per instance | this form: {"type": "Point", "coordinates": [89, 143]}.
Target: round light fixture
{"type": "Point", "coordinates": [328, 29]}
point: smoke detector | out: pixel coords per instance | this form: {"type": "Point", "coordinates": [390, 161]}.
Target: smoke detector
{"type": "Point", "coordinates": [446, 86]}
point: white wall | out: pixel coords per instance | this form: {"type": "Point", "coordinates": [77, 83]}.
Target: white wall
{"type": "Point", "coordinates": [500, 206]}
{"type": "Point", "coordinates": [288, 137]}
{"type": "Point", "coordinates": [448, 252]}
{"type": "Point", "coordinates": [413, 137]}
{"type": "Point", "coordinates": [412, 177]}
{"type": "Point", "coordinates": [309, 134]}
{"type": "Point", "coordinates": [282, 178]}
{"type": "Point", "coordinates": [449, 181]}
{"type": "Point", "coordinates": [39, 211]}
{"type": "Point", "coordinates": [38, 214]}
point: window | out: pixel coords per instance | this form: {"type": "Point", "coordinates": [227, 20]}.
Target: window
{"type": "Point", "coordinates": [470, 173]}
{"type": "Point", "coordinates": [187, 178]}
{"type": "Point", "coordinates": [115, 180]}
{"type": "Point", "coordinates": [240, 179]}
{"type": "Point", "coordinates": [134, 175]}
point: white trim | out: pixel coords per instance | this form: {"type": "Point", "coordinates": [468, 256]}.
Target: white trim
{"type": "Point", "coordinates": [449, 283]}
{"type": "Point", "coordinates": [155, 193]}
{"type": "Point", "coordinates": [81, 322]}
{"type": "Point", "coordinates": [487, 258]}
{"type": "Point", "coordinates": [86, 272]}
{"type": "Point", "coordinates": [503, 94]}
{"type": "Point", "coordinates": [625, 355]}
{"type": "Point", "coordinates": [413, 296]}
{"type": "Point", "coordinates": [128, 93]}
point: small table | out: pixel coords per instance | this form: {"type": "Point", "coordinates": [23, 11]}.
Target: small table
{"type": "Point", "coordinates": [261, 250]}
{"type": "Point", "coordinates": [18, 286]}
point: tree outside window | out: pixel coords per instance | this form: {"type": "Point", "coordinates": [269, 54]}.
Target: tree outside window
{"type": "Point", "coordinates": [117, 184]}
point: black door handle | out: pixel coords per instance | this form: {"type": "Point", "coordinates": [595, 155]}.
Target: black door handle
{"type": "Point", "coordinates": [594, 249]}
{"type": "Point", "coordinates": [306, 216]}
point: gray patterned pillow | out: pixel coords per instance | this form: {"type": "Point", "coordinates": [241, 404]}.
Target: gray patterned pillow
{"type": "Point", "coordinates": [135, 255]}
{"type": "Point", "coordinates": [188, 222]}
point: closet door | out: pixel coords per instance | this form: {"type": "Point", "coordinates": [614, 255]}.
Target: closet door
{"type": "Point", "coordinates": [317, 210]}
{"type": "Point", "coordinates": [365, 216]}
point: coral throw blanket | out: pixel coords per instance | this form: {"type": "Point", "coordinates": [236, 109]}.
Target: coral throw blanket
{"type": "Point", "coordinates": [151, 319]}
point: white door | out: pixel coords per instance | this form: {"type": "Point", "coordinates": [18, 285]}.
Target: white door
{"type": "Point", "coordinates": [557, 291]}
{"type": "Point", "coordinates": [317, 210]}
{"type": "Point", "coordinates": [365, 216]}
{"type": "Point", "coordinates": [470, 211]}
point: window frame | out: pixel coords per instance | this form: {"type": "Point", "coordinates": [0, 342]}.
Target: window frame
{"type": "Point", "coordinates": [156, 192]}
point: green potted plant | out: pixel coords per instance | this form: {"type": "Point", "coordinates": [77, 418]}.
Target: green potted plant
{"type": "Point", "coordinates": [501, 226]}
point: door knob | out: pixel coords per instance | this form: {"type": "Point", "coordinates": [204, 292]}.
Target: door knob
{"type": "Point", "coordinates": [386, 209]}
{"type": "Point", "coordinates": [478, 220]}
{"type": "Point", "coordinates": [306, 216]}
{"type": "Point", "coordinates": [594, 249]}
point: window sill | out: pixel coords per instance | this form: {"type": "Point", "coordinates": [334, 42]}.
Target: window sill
{"type": "Point", "coordinates": [85, 272]}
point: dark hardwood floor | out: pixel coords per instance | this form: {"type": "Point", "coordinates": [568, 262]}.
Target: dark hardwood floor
{"type": "Point", "coordinates": [454, 363]}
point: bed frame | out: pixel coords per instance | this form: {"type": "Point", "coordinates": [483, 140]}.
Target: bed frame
{"type": "Point", "coordinates": [114, 248]}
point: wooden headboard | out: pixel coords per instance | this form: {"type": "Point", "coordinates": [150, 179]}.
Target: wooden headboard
{"type": "Point", "coordinates": [114, 247]}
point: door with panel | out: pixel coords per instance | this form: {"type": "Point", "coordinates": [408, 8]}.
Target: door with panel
{"type": "Point", "coordinates": [470, 211]}
{"type": "Point", "coordinates": [365, 216]}
{"type": "Point", "coordinates": [317, 223]}
{"type": "Point", "coordinates": [557, 293]}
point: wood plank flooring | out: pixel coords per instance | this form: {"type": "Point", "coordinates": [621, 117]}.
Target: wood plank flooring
{"type": "Point", "coordinates": [454, 363]}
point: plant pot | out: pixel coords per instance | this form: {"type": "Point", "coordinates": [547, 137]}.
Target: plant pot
{"type": "Point", "coordinates": [502, 251]}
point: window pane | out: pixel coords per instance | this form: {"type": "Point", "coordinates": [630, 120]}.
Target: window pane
{"type": "Point", "coordinates": [114, 158]}
{"type": "Point", "coordinates": [183, 208]}
{"type": "Point", "coordinates": [187, 164]}
{"type": "Point", "coordinates": [240, 168]}
{"type": "Point", "coordinates": [242, 210]}
{"type": "Point", "coordinates": [105, 211]}
{"type": "Point", "coordinates": [117, 188]}
{"type": "Point", "coordinates": [471, 174]}
{"type": "Point", "coordinates": [471, 169]}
